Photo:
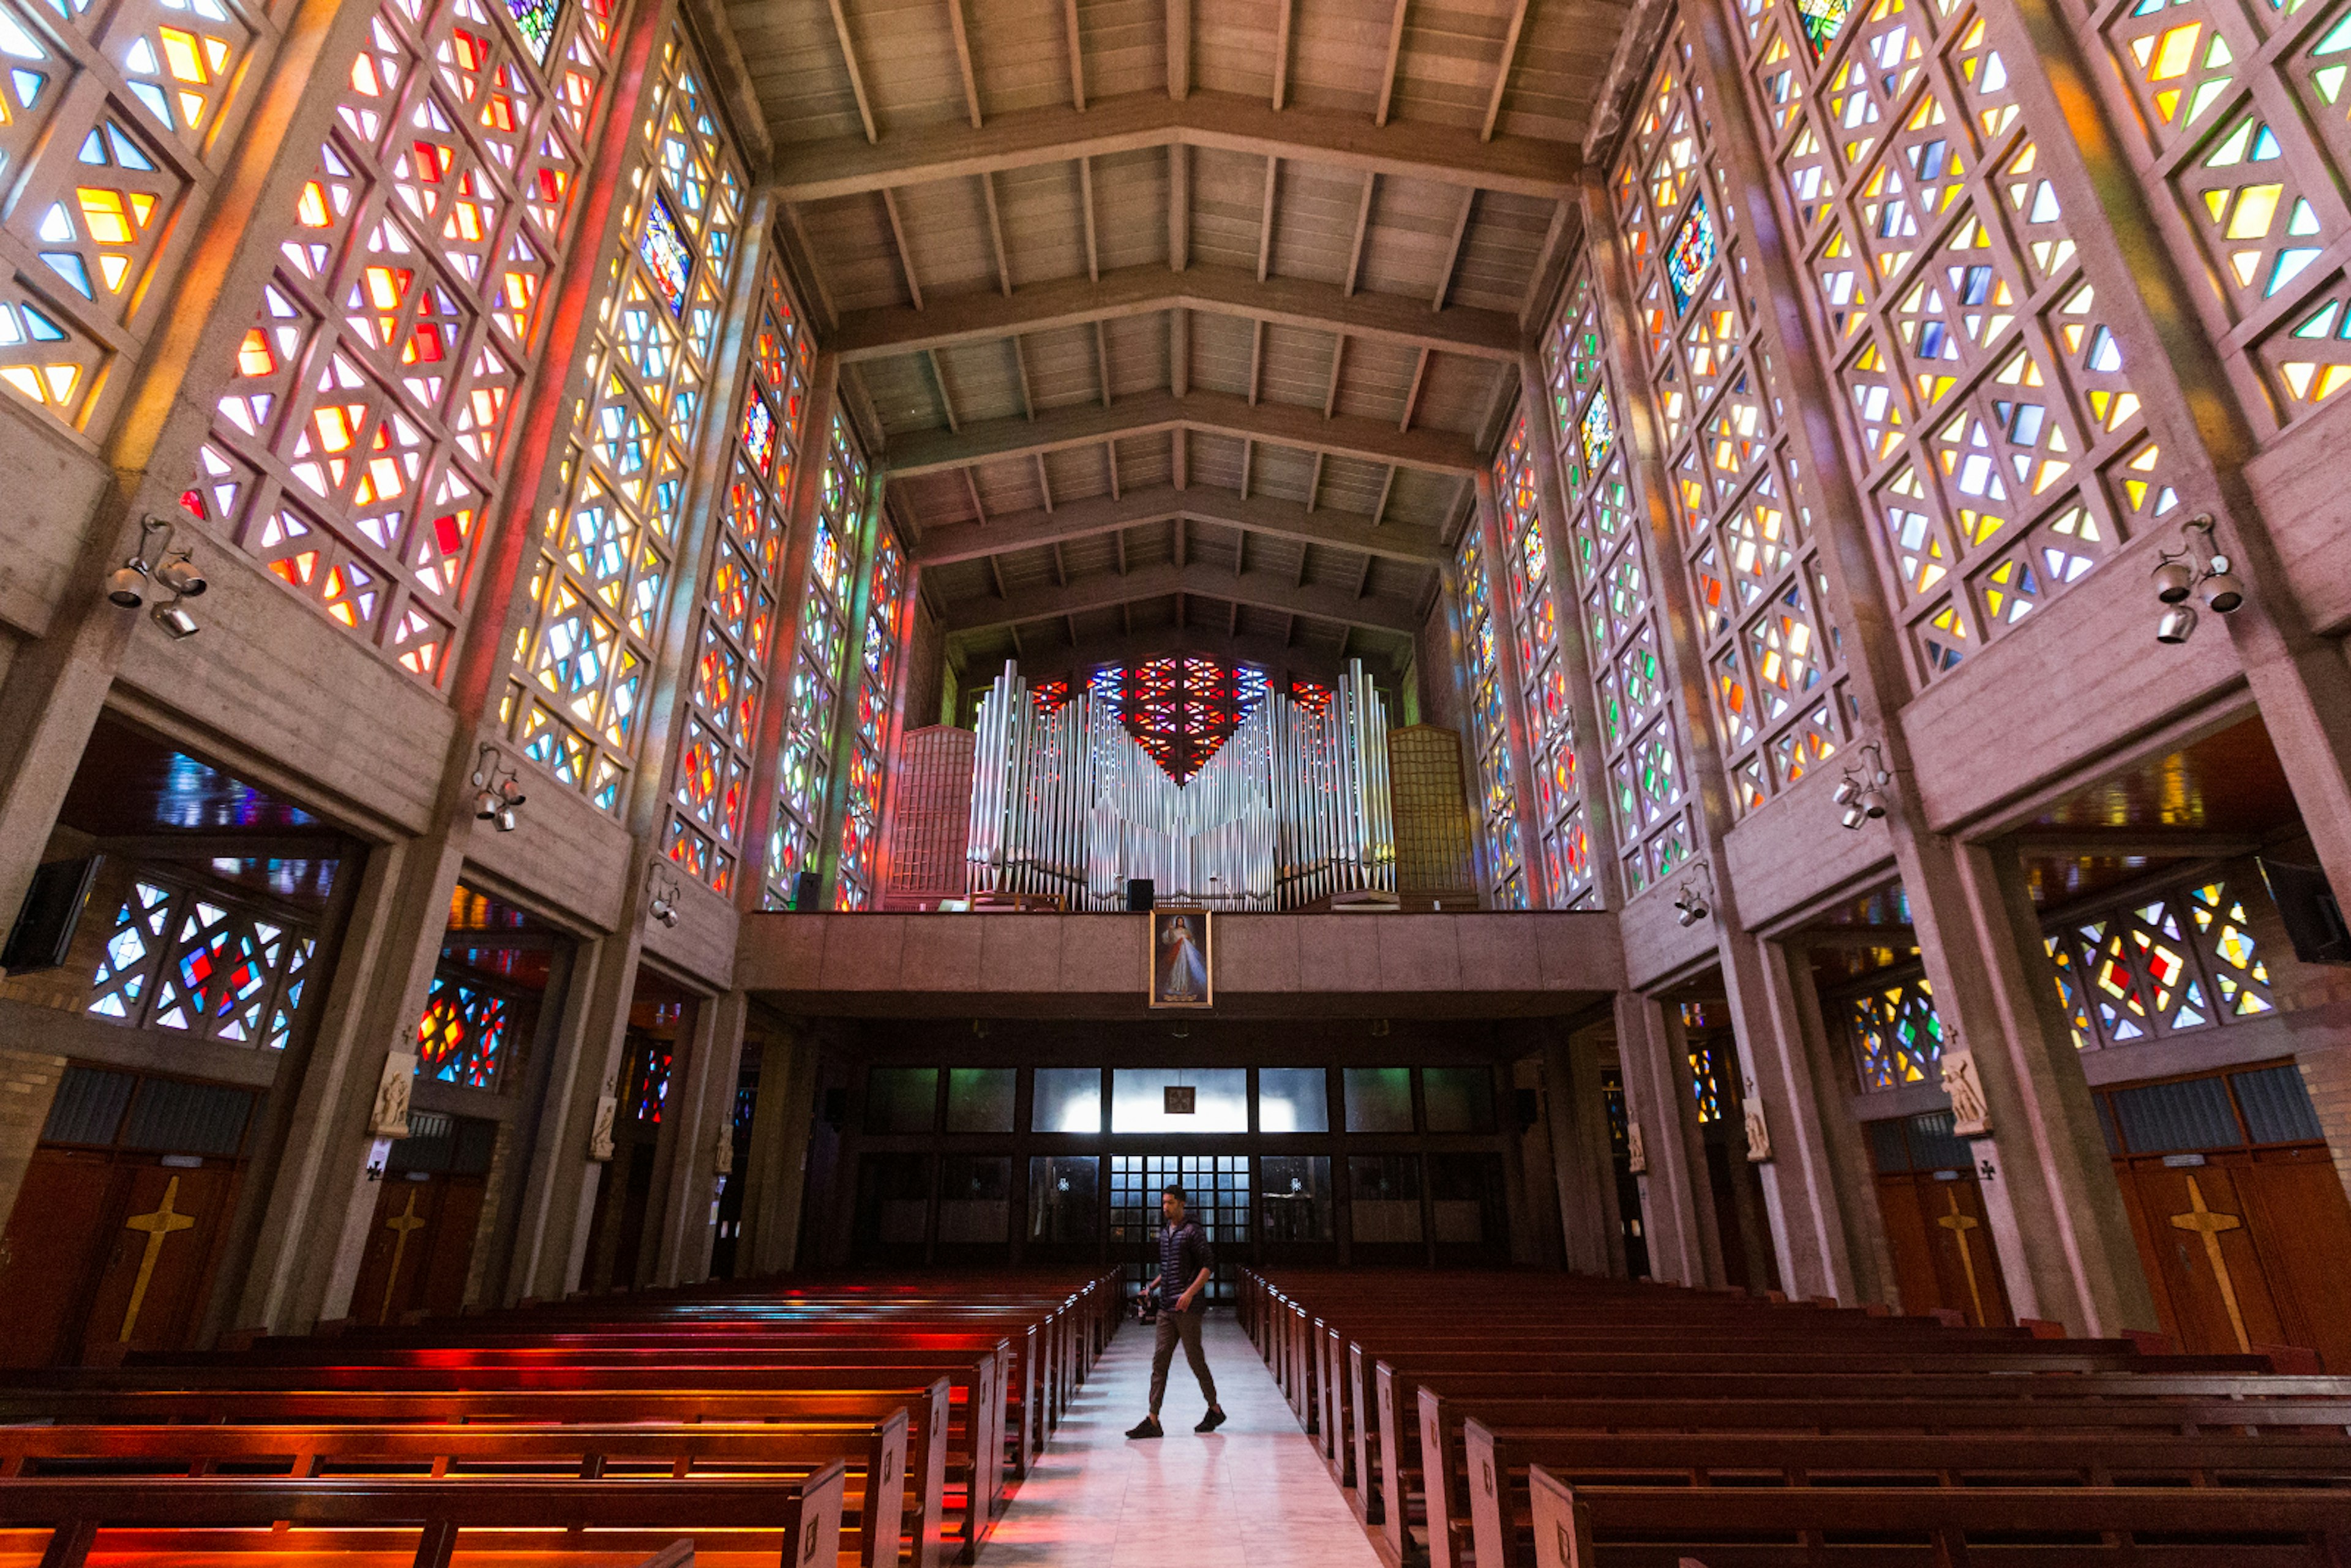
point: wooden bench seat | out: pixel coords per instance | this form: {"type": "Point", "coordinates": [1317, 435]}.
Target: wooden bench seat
{"type": "Point", "coordinates": [1500, 1516]}
{"type": "Point", "coordinates": [2018, 1527]}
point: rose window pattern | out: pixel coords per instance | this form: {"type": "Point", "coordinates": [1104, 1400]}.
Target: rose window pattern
{"type": "Point", "coordinates": [2184, 959]}
{"type": "Point", "coordinates": [1991, 423]}
{"type": "Point", "coordinates": [1498, 813]}
{"type": "Point", "coordinates": [1773, 659]}
{"type": "Point", "coordinates": [1556, 821]}
{"type": "Point", "coordinates": [465, 1034]}
{"type": "Point", "coordinates": [358, 447]}
{"type": "Point", "coordinates": [726, 683]}
{"type": "Point", "coordinates": [804, 772]}
{"type": "Point", "coordinates": [2237, 120]}
{"type": "Point", "coordinates": [877, 687]}
{"type": "Point", "coordinates": [196, 963]}
{"type": "Point", "coordinates": [1897, 1037]}
{"type": "Point", "coordinates": [111, 129]}
{"type": "Point", "coordinates": [580, 685]}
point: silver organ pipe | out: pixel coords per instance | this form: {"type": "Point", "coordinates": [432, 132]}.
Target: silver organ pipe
{"type": "Point", "coordinates": [1291, 810]}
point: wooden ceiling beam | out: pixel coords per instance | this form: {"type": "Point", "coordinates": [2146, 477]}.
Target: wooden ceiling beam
{"type": "Point", "coordinates": [906, 257]}
{"type": "Point", "coordinates": [939, 380]}
{"type": "Point", "coordinates": [1232, 122]}
{"type": "Point", "coordinates": [1179, 49]}
{"type": "Point", "coordinates": [979, 508]}
{"type": "Point", "coordinates": [1281, 29]}
{"type": "Point", "coordinates": [1453, 251]}
{"type": "Point", "coordinates": [1363, 228]}
{"type": "Point", "coordinates": [947, 543]}
{"type": "Point", "coordinates": [1387, 485]}
{"type": "Point", "coordinates": [957, 21]}
{"type": "Point", "coordinates": [1021, 365]}
{"type": "Point", "coordinates": [1501, 72]}
{"type": "Point", "coordinates": [996, 234]}
{"type": "Point", "coordinates": [1396, 60]}
{"type": "Point", "coordinates": [1338, 358]}
{"type": "Point", "coordinates": [1285, 424]}
{"type": "Point", "coordinates": [1107, 590]}
{"type": "Point", "coordinates": [1044, 484]}
{"type": "Point", "coordinates": [1179, 207]}
{"type": "Point", "coordinates": [1086, 201]}
{"type": "Point", "coordinates": [1265, 218]}
{"type": "Point", "coordinates": [1077, 55]}
{"type": "Point", "coordinates": [1412, 397]}
{"type": "Point", "coordinates": [856, 75]}
{"type": "Point", "coordinates": [886, 330]}
{"type": "Point", "coordinates": [1101, 362]}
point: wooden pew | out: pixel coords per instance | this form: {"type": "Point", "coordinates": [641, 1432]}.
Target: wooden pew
{"type": "Point", "coordinates": [874, 1457]}
{"type": "Point", "coordinates": [939, 1534]}
{"type": "Point", "coordinates": [370, 1517]}
{"type": "Point", "coordinates": [1810, 1527]}
{"type": "Point", "coordinates": [1501, 1510]}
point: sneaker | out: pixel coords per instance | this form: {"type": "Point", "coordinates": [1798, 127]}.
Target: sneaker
{"type": "Point", "coordinates": [1212, 1420]}
{"type": "Point", "coordinates": [1146, 1428]}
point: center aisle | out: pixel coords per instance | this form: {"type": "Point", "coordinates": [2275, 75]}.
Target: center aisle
{"type": "Point", "coordinates": [1253, 1494]}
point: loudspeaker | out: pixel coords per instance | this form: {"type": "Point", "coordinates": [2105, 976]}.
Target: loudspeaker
{"type": "Point", "coordinates": [1138, 895]}
{"type": "Point", "coordinates": [44, 931]}
{"type": "Point", "coordinates": [2313, 915]}
{"type": "Point", "coordinates": [808, 892]}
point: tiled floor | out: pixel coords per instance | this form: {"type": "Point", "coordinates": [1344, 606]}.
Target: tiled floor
{"type": "Point", "coordinates": [1251, 1495]}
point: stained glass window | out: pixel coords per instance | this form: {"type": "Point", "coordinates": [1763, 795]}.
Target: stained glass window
{"type": "Point", "coordinates": [2235, 120]}
{"type": "Point", "coordinates": [1499, 798]}
{"type": "Point", "coordinates": [1822, 21]}
{"type": "Point", "coordinates": [109, 138]}
{"type": "Point", "coordinates": [1553, 811]}
{"type": "Point", "coordinates": [1639, 745]}
{"type": "Point", "coordinates": [1993, 430]}
{"type": "Point", "coordinates": [869, 745]}
{"type": "Point", "coordinates": [668, 259]}
{"type": "Point", "coordinates": [1771, 652]}
{"type": "Point", "coordinates": [649, 1084]}
{"type": "Point", "coordinates": [2159, 965]}
{"type": "Point", "coordinates": [1181, 711]}
{"type": "Point", "coordinates": [576, 694]}
{"type": "Point", "coordinates": [726, 686]}
{"type": "Point", "coordinates": [535, 20]}
{"type": "Point", "coordinates": [366, 433]}
{"type": "Point", "coordinates": [197, 962]}
{"type": "Point", "coordinates": [805, 770]}
{"type": "Point", "coordinates": [465, 1034]}
{"type": "Point", "coordinates": [1897, 1036]}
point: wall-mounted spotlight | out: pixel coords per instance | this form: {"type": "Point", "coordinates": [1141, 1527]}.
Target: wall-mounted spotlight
{"type": "Point", "coordinates": [2178, 576]}
{"type": "Point", "coordinates": [155, 563]}
{"type": "Point", "coordinates": [1862, 791]}
{"type": "Point", "coordinates": [663, 906]}
{"type": "Point", "coordinates": [498, 788]}
{"type": "Point", "coordinates": [1692, 904]}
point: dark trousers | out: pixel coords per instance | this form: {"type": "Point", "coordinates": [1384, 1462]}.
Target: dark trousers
{"type": "Point", "coordinates": [1175, 1325]}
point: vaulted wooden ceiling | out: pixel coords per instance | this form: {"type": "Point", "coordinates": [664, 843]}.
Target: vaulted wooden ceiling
{"type": "Point", "coordinates": [1185, 322]}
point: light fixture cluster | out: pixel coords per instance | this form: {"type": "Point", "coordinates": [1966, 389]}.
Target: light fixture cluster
{"type": "Point", "coordinates": [156, 565]}
{"type": "Point", "coordinates": [1862, 791]}
{"type": "Point", "coordinates": [663, 905]}
{"type": "Point", "coordinates": [1693, 904]}
{"type": "Point", "coordinates": [499, 789]}
{"type": "Point", "coordinates": [2178, 576]}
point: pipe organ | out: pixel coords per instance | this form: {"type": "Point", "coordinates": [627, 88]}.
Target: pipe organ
{"type": "Point", "coordinates": [1294, 808]}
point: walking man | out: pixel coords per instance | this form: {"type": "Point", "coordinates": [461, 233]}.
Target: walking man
{"type": "Point", "coordinates": [1186, 1262]}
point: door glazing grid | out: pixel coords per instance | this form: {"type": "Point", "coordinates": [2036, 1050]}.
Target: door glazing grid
{"type": "Point", "coordinates": [1216, 1194]}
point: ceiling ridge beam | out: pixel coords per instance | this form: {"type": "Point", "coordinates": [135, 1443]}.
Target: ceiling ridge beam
{"type": "Point", "coordinates": [1233, 122]}
{"type": "Point", "coordinates": [883, 331]}
{"type": "Point", "coordinates": [1197, 579]}
{"type": "Point", "coordinates": [1283, 425]}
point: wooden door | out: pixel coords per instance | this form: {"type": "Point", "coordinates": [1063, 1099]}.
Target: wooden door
{"type": "Point", "coordinates": [2245, 1248]}
{"type": "Point", "coordinates": [159, 1239]}
{"type": "Point", "coordinates": [1942, 1248]}
{"type": "Point", "coordinates": [56, 1239]}
{"type": "Point", "coordinates": [419, 1246]}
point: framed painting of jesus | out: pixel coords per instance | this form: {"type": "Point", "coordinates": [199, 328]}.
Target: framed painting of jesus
{"type": "Point", "coordinates": [1180, 962]}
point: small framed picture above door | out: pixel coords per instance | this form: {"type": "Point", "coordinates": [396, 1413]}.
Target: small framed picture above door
{"type": "Point", "coordinates": [1181, 961]}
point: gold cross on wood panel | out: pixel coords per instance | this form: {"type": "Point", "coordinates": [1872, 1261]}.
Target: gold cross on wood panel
{"type": "Point", "coordinates": [1959, 1225]}
{"type": "Point", "coordinates": [2208, 1224]}
{"type": "Point", "coordinates": [399, 1225]}
{"type": "Point", "coordinates": [159, 1224]}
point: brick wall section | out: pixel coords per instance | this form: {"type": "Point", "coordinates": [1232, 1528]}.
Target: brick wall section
{"type": "Point", "coordinates": [28, 1082]}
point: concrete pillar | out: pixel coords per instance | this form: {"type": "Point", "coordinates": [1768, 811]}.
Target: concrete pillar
{"type": "Point", "coordinates": [1585, 1175]}
{"type": "Point", "coordinates": [778, 1166]}
{"type": "Point", "coordinates": [701, 1111]}
{"type": "Point", "coordinates": [1676, 1208]}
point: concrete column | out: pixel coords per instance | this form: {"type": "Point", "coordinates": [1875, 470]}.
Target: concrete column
{"type": "Point", "coordinates": [701, 1109]}
{"type": "Point", "coordinates": [778, 1173]}
{"type": "Point", "coordinates": [1584, 1176]}
{"type": "Point", "coordinates": [1676, 1208]}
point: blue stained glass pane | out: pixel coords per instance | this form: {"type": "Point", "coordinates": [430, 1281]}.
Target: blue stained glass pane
{"type": "Point", "coordinates": [663, 246]}
{"type": "Point", "coordinates": [760, 432]}
{"type": "Point", "coordinates": [1692, 253]}
{"type": "Point", "coordinates": [535, 20]}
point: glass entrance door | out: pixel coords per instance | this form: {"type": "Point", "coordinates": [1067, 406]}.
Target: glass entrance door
{"type": "Point", "coordinates": [1216, 1190]}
